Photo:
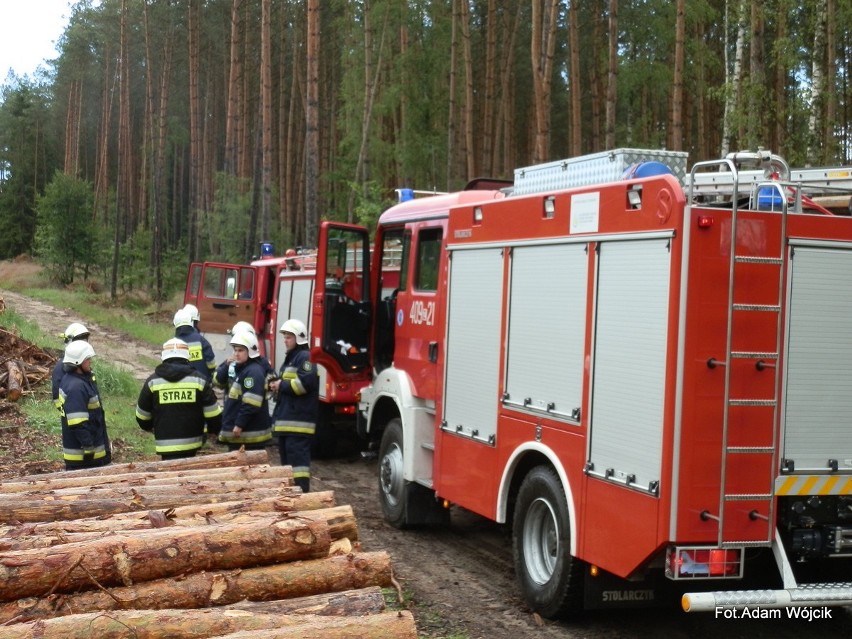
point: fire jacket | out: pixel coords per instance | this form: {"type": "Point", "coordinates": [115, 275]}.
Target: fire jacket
{"type": "Point", "coordinates": [84, 435]}
{"type": "Point", "coordinates": [176, 403]}
{"type": "Point", "coordinates": [245, 403]}
{"type": "Point", "coordinates": [298, 394]}
{"type": "Point", "coordinates": [201, 354]}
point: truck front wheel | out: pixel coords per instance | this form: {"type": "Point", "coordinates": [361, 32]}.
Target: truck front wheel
{"type": "Point", "coordinates": [549, 577]}
{"type": "Point", "coordinates": [392, 489]}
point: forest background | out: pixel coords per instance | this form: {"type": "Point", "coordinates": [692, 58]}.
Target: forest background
{"type": "Point", "coordinates": [171, 131]}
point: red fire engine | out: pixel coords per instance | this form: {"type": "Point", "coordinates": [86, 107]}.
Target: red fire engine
{"type": "Point", "coordinates": [648, 378]}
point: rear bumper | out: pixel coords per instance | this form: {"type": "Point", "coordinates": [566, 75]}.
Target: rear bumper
{"type": "Point", "coordinates": [830, 594]}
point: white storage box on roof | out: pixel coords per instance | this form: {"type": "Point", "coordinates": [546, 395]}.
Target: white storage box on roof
{"type": "Point", "coordinates": [595, 168]}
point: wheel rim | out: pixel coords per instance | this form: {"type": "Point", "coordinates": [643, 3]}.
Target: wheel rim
{"type": "Point", "coordinates": [390, 475]}
{"type": "Point", "coordinates": [541, 541]}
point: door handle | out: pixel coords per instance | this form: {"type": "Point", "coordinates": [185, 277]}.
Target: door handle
{"type": "Point", "coordinates": [433, 352]}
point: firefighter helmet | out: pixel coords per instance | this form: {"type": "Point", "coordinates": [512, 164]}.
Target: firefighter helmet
{"type": "Point", "coordinates": [248, 341]}
{"type": "Point", "coordinates": [175, 348]}
{"type": "Point", "coordinates": [75, 331]}
{"type": "Point", "coordinates": [242, 327]}
{"type": "Point", "coordinates": [78, 352]}
{"type": "Point", "coordinates": [183, 318]}
{"type": "Point", "coordinates": [193, 312]}
{"type": "Point", "coordinates": [297, 327]}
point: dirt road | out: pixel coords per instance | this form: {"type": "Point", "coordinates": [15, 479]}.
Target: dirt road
{"type": "Point", "coordinates": [460, 579]}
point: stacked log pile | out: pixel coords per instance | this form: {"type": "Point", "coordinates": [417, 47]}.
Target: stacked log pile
{"type": "Point", "coordinates": [22, 366]}
{"type": "Point", "coordinates": [217, 546]}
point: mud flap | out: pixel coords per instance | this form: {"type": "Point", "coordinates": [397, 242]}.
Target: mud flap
{"type": "Point", "coordinates": [605, 590]}
{"type": "Point", "coordinates": [422, 508]}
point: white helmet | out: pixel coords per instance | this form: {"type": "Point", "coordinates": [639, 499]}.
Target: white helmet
{"type": "Point", "coordinates": [248, 341]}
{"type": "Point", "coordinates": [74, 331]}
{"type": "Point", "coordinates": [193, 312]}
{"type": "Point", "coordinates": [183, 318]}
{"type": "Point", "coordinates": [298, 329]}
{"type": "Point", "coordinates": [242, 327]}
{"type": "Point", "coordinates": [78, 352]}
{"type": "Point", "coordinates": [175, 348]}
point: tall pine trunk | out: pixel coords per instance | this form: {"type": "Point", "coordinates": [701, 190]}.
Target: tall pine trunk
{"type": "Point", "coordinates": [311, 230]}
{"type": "Point", "coordinates": [676, 137]}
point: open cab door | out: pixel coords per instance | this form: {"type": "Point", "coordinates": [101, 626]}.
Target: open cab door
{"type": "Point", "coordinates": [342, 315]}
{"type": "Point", "coordinates": [224, 295]}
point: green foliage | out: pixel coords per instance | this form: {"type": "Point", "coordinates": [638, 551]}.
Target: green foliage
{"type": "Point", "coordinates": [66, 232]}
{"type": "Point", "coordinates": [224, 228]}
{"type": "Point", "coordinates": [370, 203]}
{"type": "Point", "coordinates": [26, 153]}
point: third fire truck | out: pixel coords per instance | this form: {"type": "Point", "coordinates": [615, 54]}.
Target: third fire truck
{"type": "Point", "coordinates": [646, 373]}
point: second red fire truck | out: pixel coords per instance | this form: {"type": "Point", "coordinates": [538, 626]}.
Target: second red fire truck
{"type": "Point", "coordinates": [646, 375]}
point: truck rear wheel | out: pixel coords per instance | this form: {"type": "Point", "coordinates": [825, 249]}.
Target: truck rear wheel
{"type": "Point", "coordinates": [392, 489]}
{"type": "Point", "coordinates": [549, 577]}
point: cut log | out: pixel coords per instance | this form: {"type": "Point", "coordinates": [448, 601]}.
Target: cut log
{"type": "Point", "coordinates": [101, 521]}
{"type": "Point", "coordinates": [24, 510]}
{"type": "Point", "coordinates": [123, 491]}
{"type": "Point", "coordinates": [385, 625]}
{"type": "Point", "coordinates": [14, 381]}
{"type": "Point", "coordinates": [160, 624]}
{"type": "Point", "coordinates": [340, 520]}
{"type": "Point", "coordinates": [267, 583]}
{"type": "Point", "coordinates": [351, 603]}
{"type": "Point", "coordinates": [125, 560]}
{"type": "Point", "coordinates": [217, 460]}
{"type": "Point", "coordinates": [233, 473]}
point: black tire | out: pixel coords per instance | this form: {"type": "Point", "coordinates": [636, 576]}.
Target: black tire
{"type": "Point", "coordinates": [392, 485]}
{"type": "Point", "coordinates": [551, 580]}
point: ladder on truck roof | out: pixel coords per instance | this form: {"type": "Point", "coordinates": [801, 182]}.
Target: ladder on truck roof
{"type": "Point", "coordinates": [752, 490]}
{"type": "Point", "coordinates": [819, 188]}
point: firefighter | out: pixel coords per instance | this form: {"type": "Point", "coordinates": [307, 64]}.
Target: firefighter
{"type": "Point", "coordinates": [84, 433]}
{"type": "Point", "coordinates": [73, 333]}
{"type": "Point", "coordinates": [178, 404]}
{"type": "Point", "coordinates": [296, 408]}
{"type": "Point", "coordinates": [201, 354]}
{"type": "Point", "coordinates": [268, 368]}
{"type": "Point", "coordinates": [245, 421]}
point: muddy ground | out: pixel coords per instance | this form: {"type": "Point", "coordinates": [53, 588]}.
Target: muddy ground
{"type": "Point", "coordinates": [459, 581]}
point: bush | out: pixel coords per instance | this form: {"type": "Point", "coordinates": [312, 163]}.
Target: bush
{"type": "Point", "coordinates": [66, 231]}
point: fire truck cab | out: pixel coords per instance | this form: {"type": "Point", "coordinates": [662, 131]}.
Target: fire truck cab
{"type": "Point", "coordinates": [644, 372]}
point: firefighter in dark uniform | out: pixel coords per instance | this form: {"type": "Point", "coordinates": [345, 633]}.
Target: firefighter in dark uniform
{"type": "Point", "coordinates": [201, 354]}
{"type": "Point", "coordinates": [296, 407]}
{"type": "Point", "coordinates": [84, 434]}
{"type": "Point", "coordinates": [73, 333]}
{"type": "Point", "coordinates": [178, 404]}
{"type": "Point", "coordinates": [241, 327]}
{"type": "Point", "coordinates": [245, 420]}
